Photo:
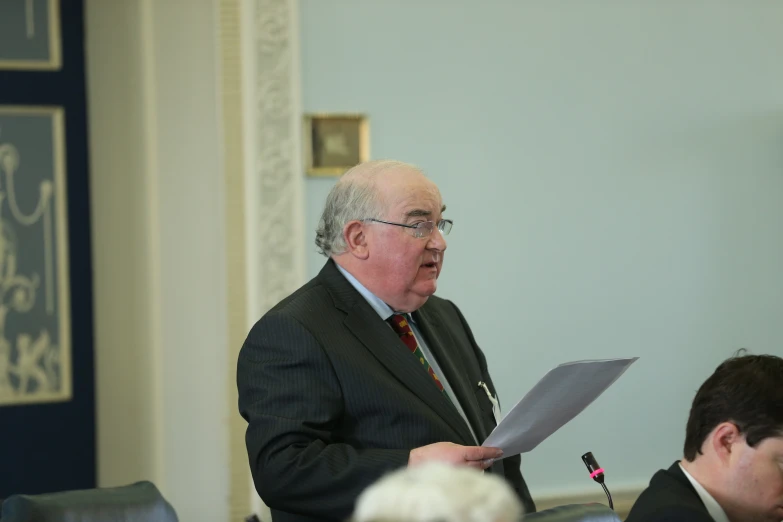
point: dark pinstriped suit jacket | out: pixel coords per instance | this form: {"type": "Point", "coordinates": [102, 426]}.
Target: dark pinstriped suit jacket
{"type": "Point", "coordinates": [334, 400]}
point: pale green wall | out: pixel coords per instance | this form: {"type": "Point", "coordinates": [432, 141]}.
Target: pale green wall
{"type": "Point", "coordinates": [615, 173]}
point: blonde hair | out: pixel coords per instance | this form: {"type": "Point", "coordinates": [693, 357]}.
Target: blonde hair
{"type": "Point", "coordinates": [438, 492]}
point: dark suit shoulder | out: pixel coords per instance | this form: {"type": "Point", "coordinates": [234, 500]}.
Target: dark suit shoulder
{"type": "Point", "coordinates": [439, 303]}
{"type": "Point", "coordinates": [669, 497]}
{"type": "Point", "coordinates": [302, 300]}
{"type": "Point", "coordinates": [291, 323]}
{"type": "Point", "coordinates": [444, 308]}
{"type": "Point", "coordinates": [311, 305]}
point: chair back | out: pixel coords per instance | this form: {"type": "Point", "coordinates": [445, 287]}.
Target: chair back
{"type": "Point", "coordinates": [139, 502]}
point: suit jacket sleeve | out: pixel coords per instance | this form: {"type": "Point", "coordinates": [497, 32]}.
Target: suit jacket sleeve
{"type": "Point", "coordinates": [511, 465]}
{"type": "Point", "coordinates": [292, 400]}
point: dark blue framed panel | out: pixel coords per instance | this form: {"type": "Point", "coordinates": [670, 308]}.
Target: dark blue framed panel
{"type": "Point", "coordinates": [47, 426]}
{"type": "Point", "coordinates": [35, 318]}
{"type": "Point", "coordinates": [30, 34]}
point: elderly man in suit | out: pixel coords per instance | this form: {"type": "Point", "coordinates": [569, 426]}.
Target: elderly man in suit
{"type": "Point", "coordinates": [363, 370]}
{"type": "Point", "coordinates": [733, 465]}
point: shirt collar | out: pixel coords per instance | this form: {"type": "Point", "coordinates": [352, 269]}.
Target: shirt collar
{"type": "Point", "coordinates": [377, 304]}
{"type": "Point", "coordinates": [713, 508]}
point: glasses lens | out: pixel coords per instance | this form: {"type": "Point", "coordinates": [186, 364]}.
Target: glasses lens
{"type": "Point", "coordinates": [423, 229]}
{"type": "Point", "coordinates": [445, 226]}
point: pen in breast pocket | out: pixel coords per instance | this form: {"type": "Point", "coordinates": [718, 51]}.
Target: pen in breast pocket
{"type": "Point", "coordinates": [493, 400]}
{"type": "Point", "coordinates": [482, 384]}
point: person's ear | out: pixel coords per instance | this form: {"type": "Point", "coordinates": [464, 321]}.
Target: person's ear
{"type": "Point", "coordinates": [724, 440]}
{"type": "Point", "coordinates": [356, 239]}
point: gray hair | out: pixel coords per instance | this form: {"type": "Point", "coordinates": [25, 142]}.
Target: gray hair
{"type": "Point", "coordinates": [438, 492]}
{"type": "Point", "coordinates": [353, 197]}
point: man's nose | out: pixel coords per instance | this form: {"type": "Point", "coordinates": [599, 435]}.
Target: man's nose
{"type": "Point", "coordinates": [436, 241]}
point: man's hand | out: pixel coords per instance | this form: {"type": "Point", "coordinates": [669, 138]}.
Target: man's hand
{"type": "Point", "coordinates": [473, 456]}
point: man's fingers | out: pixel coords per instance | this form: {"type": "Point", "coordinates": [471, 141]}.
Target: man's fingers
{"type": "Point", "coordinates": [473, 453]}
{"type": "Point", "coordinates": [475, 456]}
{"type": "Point", "coordinates": [480, 464]}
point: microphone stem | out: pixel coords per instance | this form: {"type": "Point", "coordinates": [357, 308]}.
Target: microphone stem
{"type": "Point", "coordinates": [611, 505]}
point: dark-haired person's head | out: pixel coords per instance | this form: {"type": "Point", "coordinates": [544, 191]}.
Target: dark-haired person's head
{"type": "Point", "coordinates": [734, 437]}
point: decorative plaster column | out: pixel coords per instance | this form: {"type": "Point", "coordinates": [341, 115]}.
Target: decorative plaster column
{"type": "Point", "coordinates": [264, 187]}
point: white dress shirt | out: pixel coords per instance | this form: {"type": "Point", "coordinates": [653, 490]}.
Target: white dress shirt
{"type": "Point", "coordinates": [713, 508]}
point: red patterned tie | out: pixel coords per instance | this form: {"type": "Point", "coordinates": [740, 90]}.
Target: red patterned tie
{"type": "Point", "coordinates": [400, 325]}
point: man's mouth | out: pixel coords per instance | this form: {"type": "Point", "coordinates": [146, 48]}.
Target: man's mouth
{"type": "Point", "coordinates": [431, 264]}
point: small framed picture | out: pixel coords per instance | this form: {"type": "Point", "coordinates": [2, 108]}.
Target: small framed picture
{"type": "Point", "coordinates": [335, 142]}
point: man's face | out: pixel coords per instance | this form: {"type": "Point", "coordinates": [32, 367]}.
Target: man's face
{"type": "Point", "coordinates": [404, 269]}
{"type": "Point", "coordinates": [757, 481]}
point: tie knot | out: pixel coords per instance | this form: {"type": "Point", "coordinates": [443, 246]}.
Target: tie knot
{"type": "Point", "coordinates": [399, 323]}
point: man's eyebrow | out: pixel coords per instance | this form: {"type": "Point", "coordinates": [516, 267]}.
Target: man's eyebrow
{"type": "Point", "coordinates": [418, 212]}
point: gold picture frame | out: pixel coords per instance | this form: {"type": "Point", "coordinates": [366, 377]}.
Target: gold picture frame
{"type": "Point", "coordinates": [35, 47]}
{"type": "Point", "coordinates": [333, 143]}
{"type": "Point", "coordinates": [35, 339]}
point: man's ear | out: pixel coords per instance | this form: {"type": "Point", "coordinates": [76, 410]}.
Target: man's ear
{"type": "Point", "coordinates": [724, 439]}
{"type": "Point", "coordinates": [356, 240]}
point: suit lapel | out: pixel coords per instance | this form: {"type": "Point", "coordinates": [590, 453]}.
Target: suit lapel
{"type": "Point", "coordinates": [438, 341]}
{"type": "Point", "coordinates": [387, 347]}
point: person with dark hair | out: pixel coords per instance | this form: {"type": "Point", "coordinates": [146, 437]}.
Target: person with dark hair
{"type": "Point", "coordinates": [732, 470]}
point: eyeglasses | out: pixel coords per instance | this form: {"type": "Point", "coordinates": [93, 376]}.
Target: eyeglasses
{"type": "Point", "coordinates": [423, 228]}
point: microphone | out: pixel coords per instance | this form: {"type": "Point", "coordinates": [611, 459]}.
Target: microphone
{"type": "Point", "coordinates": [597, 474]}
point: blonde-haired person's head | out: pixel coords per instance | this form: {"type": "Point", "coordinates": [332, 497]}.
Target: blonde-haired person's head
{"type": "Point", "coordinates": [438, 492]}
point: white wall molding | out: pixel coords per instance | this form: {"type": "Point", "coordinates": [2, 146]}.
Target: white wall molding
{"type": "Point", "coordinates": [278, 165]}
{"type": "Point", "coordinates": [197, 225]}
{"type": "Point", "coordinates": [123, 219]}
{"type": "Point", "coordinates": [264, 187]}
{"type": "Point", "coordinates": [158, 216]}
{"type": "Point", "coordinates": [232, 59]}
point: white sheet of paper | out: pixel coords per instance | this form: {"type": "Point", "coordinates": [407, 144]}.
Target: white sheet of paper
{"type": "Point", "coordinates": [557, 398]}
